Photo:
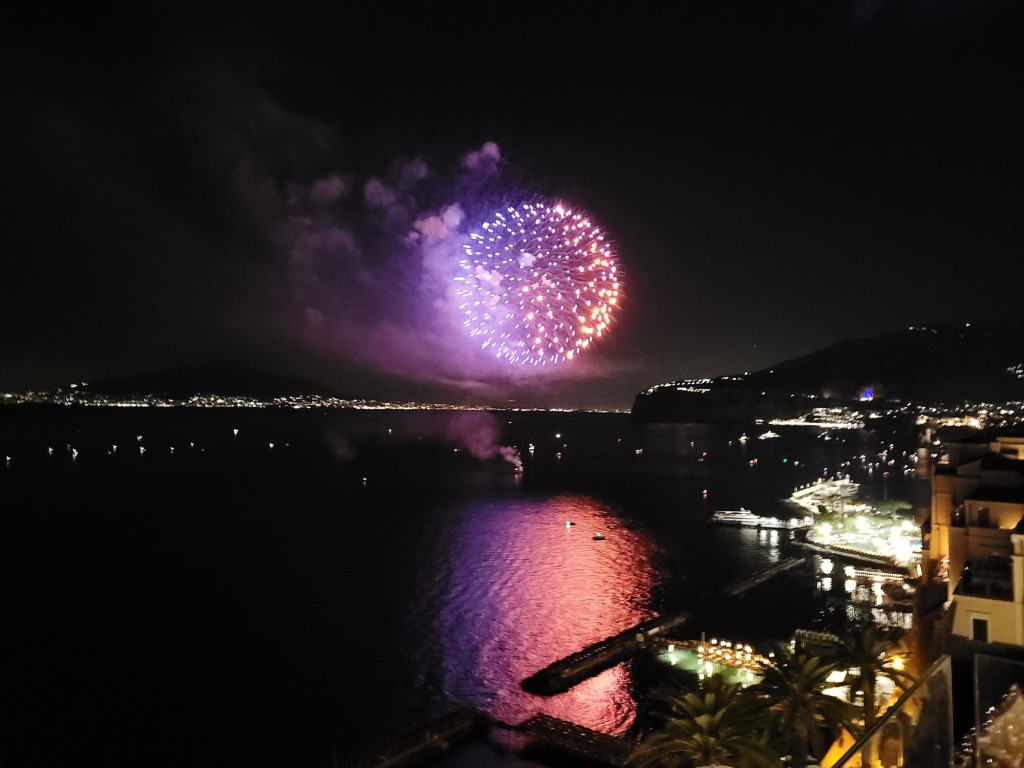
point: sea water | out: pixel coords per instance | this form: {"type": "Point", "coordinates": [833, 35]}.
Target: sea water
{"type": "Point", "coordinates": [214, 587]}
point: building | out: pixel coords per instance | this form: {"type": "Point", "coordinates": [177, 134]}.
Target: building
{"type": "Point", "coordinates": [974, 545]}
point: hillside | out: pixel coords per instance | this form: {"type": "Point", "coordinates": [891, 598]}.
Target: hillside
{"type": "Point", "coordinates": [938, 364]}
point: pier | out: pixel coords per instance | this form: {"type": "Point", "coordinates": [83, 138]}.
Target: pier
{"type": "Point", "coordinates": [545, 732]}
{"type": "Point", "coordinates": [430, 740]}
{"type": "Point", "coordinates": [785, 566]}
{"type": "Point", "coordinates": [849, 552]}
{"type": "Point", "coordinates": [538, 733]}
{"type": "Point", "coordinates": [564, 674]}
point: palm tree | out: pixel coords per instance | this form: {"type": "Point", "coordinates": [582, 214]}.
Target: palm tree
{"type": "Point", "coordinates": [793, 688]}
{"type": "Point", "coordinates": [874, 652]}
{"type": "Point", "coordinates": [721, 724]}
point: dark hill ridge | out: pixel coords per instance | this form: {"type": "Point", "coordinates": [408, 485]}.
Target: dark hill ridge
{"type": "Point", "coordinates": [214, 378]}
{"type": "Point", "coordinates": [937, 364]}
{"type": "Point", "coordinates": [948, 363]}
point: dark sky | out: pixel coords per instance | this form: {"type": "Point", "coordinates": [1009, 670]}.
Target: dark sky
{"type": "Point", "coordinates": [287, 186]}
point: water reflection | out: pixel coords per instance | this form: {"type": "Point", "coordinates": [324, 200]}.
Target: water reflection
{"type": "Point", "coordinates": [524, 590]}
{"type": "Point", "coordinates": [770, 543]}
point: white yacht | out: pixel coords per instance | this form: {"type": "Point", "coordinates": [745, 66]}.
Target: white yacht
{"type": "Point", "coordinates": [744, 517]}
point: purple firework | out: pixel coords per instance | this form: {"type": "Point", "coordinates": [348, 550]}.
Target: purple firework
{"type": "Point", "coordinates": [538, 284]}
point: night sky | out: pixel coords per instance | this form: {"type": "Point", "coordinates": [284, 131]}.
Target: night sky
{"type": "Point", "coordinates": [287, 187]}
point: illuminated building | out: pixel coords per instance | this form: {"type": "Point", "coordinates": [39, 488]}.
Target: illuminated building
{"type": "Point", "coordinates": [976, 546]}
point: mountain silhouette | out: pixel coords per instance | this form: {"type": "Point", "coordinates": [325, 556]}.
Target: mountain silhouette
{"type": "Point", "coordinates": [937, 364]}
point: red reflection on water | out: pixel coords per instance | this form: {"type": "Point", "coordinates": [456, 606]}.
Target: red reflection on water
{"type": "Point", "coordinates": [525, 590]}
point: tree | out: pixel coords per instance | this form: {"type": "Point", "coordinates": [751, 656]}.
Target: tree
{"type": "Point", "coordinates": [793, 688]}
{"type": "Point", "coordinates": [721, 724]}
{"type": "Point", "coordinates": [873, 652]}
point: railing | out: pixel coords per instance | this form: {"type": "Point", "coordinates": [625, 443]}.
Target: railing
{"type": "Point", "coordinates": [990, 578]}
{"type": "Point", "coordinates": [980, 586]}
{"type": "Point", "coordinates": [916, 731]}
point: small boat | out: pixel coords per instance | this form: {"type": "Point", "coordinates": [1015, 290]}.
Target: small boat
{"type": "Point", "coordinates": [598, 536]}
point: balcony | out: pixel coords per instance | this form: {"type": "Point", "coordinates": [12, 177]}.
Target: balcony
{"type": "Point", "coordinates": [991, 578]}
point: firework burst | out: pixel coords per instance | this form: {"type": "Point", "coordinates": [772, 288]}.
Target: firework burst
{"type": "Point", "coordinates": [538, 284]}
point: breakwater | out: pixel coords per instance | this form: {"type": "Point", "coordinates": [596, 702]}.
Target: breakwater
{"type": "Point", "coordinates": [427, 741]}
{"type": "Point", "coordinates": [565, 673]}
{"type": "Point", "coordinates": [785, 566]}
{"type": "Point", "coordinates": [551, 733]}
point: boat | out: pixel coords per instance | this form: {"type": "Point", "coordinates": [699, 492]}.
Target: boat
{"type": "Point", "coordinates": [747, 519]}
{"type": "Point", "coordinates": [768, 435]}
{"type": "Point", "coordinates": [739, 516]}
{"type": "Point", "coordinates": [598, 536]}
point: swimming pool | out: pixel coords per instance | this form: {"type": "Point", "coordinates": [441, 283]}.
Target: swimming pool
{"type": "Point", "coordinates": [736, 662]}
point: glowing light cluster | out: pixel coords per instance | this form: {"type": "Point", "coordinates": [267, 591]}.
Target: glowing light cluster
{"type": "Point", "coordinates": [538, 284]}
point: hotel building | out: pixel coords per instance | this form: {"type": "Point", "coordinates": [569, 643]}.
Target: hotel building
{"type": "Point", "coordinates": [974, 546]}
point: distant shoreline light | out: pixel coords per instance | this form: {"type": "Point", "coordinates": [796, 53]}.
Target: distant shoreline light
{"type": "Point", "coordinates": [293, 402]}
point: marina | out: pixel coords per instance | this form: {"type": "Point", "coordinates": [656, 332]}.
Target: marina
{"type": "Point", "coordinates": [822, 494]}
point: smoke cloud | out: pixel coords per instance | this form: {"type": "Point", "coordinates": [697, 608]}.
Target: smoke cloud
{"type": "Point", "coordinates": [477, 432]}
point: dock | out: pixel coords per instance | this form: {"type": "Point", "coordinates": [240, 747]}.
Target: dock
{"type": "Point", "coordinates": [784, 566]}
{"type": "Point", "coordinates": [427, 741]}
{"type": "Point", "coordinates": [538, 733]}
{"type": "Point", "coordinates": [550, 733]}
{"type": "Point", "coordinates": [849, 552]}
{"type": "Point", "coordinates": [564, 674]}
